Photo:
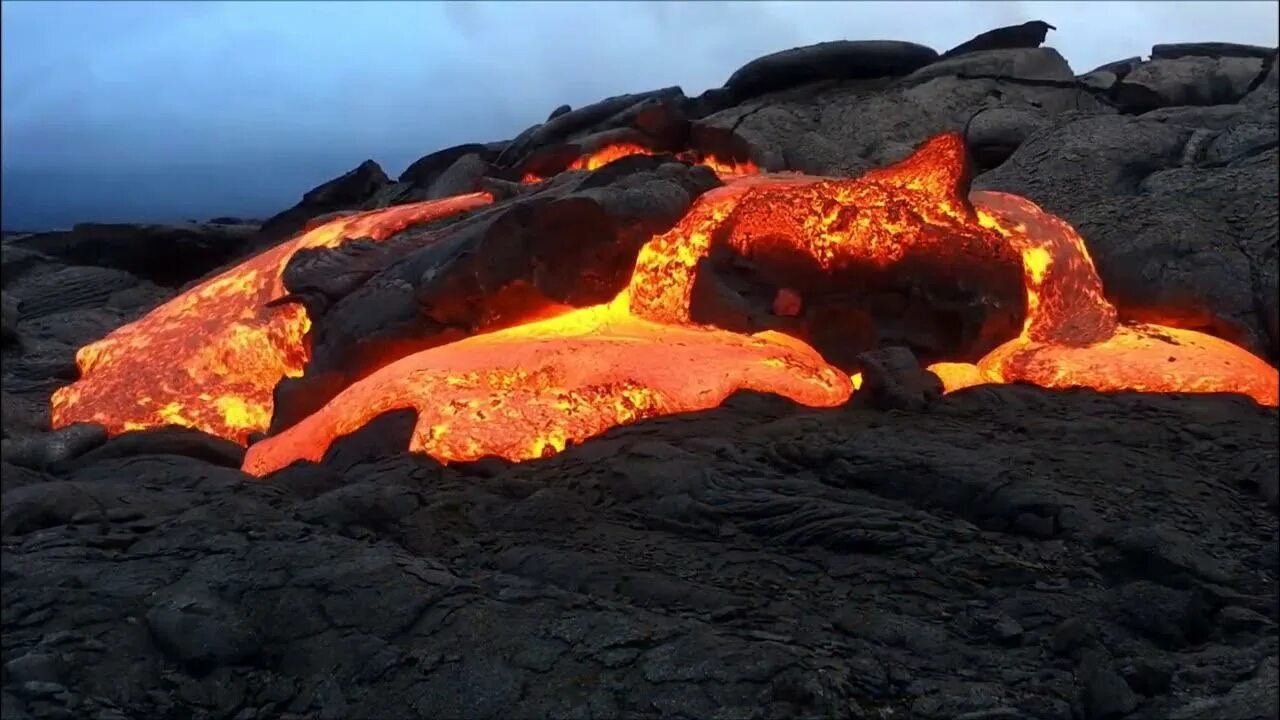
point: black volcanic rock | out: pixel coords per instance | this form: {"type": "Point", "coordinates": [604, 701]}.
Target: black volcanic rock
{"type": "Point", "coordinates": [892, 379]}
{"type": "Point", "coordinates": [716, 556]}
{"type": "Point", "coordinates": [1029, 34]}
{"type": "Point", "coordinates": [427, 168]}
{"type": "Point", "coordinates": [9, 315]}
{"type": "Point", "coordinates": [1175, 51]}
{"type": "Point", "coordinates": [169, 255]}
{"type": "Point", "coordinates": [837, 60]}
{"type": "Point", "coordinates": [1189, 80]}
{"type": "Point", "coordinates": [345, 192]}
{"type": "Point", "coordinates": [1032, 65]}
{"type": "Point", "coordinates": [593, 117]}
{"type": "Point", "coordinates": [69, 288]}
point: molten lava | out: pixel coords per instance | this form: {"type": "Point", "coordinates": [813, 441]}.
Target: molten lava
{"type": "Point", "coordinates": [615, 151]}
{"type": "Point", "coordinates": [210, 358]}
{"type": "Point", "coordinates": [528, 390]}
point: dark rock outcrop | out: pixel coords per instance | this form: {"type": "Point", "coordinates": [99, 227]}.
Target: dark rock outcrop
{"type": "Point", "coordinates": [1176, 51]}
{"type": "Point", "coordinates": [1186, 81]}
{"type": "Point", "coordinates": [346, 192]}
{"type": "Point", "coordinates": [1029, 34]}
{"type": "Point", "coordinates": [169, 255]}
{"type": "Point", "coordinates": [837, 60]}
{"type": "Point", "coordinates": [9, 314]}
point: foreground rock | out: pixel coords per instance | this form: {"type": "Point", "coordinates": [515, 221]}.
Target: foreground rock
{"type": "Point", "coordinates": [996, 556]}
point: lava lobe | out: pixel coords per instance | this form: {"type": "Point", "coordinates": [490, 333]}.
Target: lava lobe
{"type": "Point", "coordinates": [760, 286]}
{"type": "Point", "coordinates": [209, 358]}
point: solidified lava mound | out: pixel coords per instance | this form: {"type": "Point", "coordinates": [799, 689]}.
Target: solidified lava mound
{"type": "Point", "coordinates": [877, 383]}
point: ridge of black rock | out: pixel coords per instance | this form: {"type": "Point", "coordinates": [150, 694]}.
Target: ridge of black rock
{"type": "Point", "coordinates": [1030, 34]}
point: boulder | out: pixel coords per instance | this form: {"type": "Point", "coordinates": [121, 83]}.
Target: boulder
{"type": "Point", "coordinates": [1027, 35]}
{"type": "Point", "coordinates": [460, 178]}
{"type": "Point", "coordinates": [1029, 64]}
{"type": "Point", "coordinates": [346, 192]}
{"type": "Point", "coordinates": [40, 451]}
{"type": "Point", "coordinates": [423, 171]}
{"type": "Point", "coordinates": [1177, 51]}
{"type": "Point", "coordinates": [1186, 81]}
{"type": "Point", "coordinates": [892, 379]}
{"type": "Point", "coordinates": [69, 288]}
{"type": "Point", "coordinates": [837, 60]}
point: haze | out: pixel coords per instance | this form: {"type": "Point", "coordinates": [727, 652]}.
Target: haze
{"type": "Point", "coordinates": [147, 111]}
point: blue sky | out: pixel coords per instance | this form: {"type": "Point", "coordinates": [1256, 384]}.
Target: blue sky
{"type": "Point", "coordinates": [158, 111]}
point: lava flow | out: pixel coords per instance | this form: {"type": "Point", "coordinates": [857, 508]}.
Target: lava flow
{"type": "Point", "coordinates": [526, 391]}
{"type": "Point", "coordinates": [529, 390]}
{"type": "Point", "coordinates": [214, 354]}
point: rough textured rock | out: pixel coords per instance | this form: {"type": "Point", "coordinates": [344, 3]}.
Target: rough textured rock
{"type": "Point", "coordinates": [1027, 35]}
{"type": "Point", "coordinates": [427, 168]}
{"type": "Point", "coordinates": [845, 127]}
{"type": "Point", "coordinates": [1175, 51]}
{"type": "Point", "coordinates": [1191, 241]}
{"type": "Point", "coordinates": [838, 60]}
{"type": "Point", "coordinates": [754, 559]}
{"type": "Point", "coordinates": [164, 254]}
{"type": "Point", "coordinates": [1027, 64]}
{"type": "Point", "coordinates": [69, 288]}
{"type": "Point", "coordinates": [345, 192]}
{"type": "Point", "coordinates": [47, 449]}
{"type": "Point", "coordinates": [892, 379]}
{"type": "Point", "coordinates": [9, 314]}
{"type": "Point", "coordinates": [1186, 81]}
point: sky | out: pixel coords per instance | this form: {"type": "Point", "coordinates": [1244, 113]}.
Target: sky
{"type": "Point", "coordinates": [162, 111]}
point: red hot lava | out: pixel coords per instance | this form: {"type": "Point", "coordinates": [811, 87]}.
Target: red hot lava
{"type": "Point", "coordinates": [215, 353]}
{"type": "Point", "coordinates": [526, 391]}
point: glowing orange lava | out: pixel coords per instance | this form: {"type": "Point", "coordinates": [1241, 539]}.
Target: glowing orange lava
{"type": "Point", "coordinates": [209, 358]}
{"type": "Point", "coordinates": [527, 390]}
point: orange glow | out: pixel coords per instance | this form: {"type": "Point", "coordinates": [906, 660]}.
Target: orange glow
{"type": "Point", "coordinates": [210, 358]}
{"type": "Point", "coordinates": [617, 151]}
{"type": "Point", "coordinates": [527, 390]}
{"type": "Point", "coordinates": [957, 376]}
{"type": "Point", "coordinates": [1150, 358]}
